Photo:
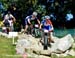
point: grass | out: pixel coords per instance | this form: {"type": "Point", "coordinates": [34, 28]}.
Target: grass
{"type": "Point", "coordinates": [54, 56]}
{"type": "Point", "coordinates": [7, 50]}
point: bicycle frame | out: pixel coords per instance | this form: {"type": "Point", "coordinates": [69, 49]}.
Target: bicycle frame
{"type": "Point", "coordinates": [36, 30]}
{"type": "Point", "coordinates": [45, 37]}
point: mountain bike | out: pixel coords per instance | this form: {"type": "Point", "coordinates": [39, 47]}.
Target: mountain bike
{"type": "Point", "coordinates": [36, 30]}
{"type": "Point", "coordinates": [46, 36]}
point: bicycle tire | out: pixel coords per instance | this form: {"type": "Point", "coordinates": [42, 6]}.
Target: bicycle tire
{"type": "Point", "coordinates": [45, 42]}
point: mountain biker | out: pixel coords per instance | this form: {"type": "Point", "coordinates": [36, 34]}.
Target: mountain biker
{"type": "Point", "coordinates": [46, 24]}
{"type": "Point", "coordinates": [8, 20]}
{"type": "Point", "coordinates": [31, 20]}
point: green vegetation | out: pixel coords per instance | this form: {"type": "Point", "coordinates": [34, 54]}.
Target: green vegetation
{"type": "Point", "coordinates": [7, 50]}
{"type": "Point", "coordinates": [54, 56]}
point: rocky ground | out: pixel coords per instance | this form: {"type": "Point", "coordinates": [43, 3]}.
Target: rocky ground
{"type": "Point", "coordinates": [31, 47]}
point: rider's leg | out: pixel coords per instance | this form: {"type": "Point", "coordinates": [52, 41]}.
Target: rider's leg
{"type": "Point", "coordinates": [42, 36]}
{"type": "Point", "coordinates": [31, 29]}
{"type": "Point", "coordinates": [26, 27]}
{"type": "Point", "coordinates": [50, 39]}
{"type": "Point", "coordinates": [8, 30]}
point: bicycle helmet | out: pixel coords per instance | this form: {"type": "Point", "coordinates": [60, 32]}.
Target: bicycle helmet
{"type": "Point", "coordinates": [34, 13]}
{"type": "Point", "coordinates": [47, 17]}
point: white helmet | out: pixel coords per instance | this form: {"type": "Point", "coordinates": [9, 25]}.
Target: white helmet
{"type": "Point", "coordinates": [47, 17]}
{"type": "Point", "coordinates": [34, 13]}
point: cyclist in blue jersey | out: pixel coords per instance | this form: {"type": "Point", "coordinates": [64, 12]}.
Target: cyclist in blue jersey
{"type": "Point", "coordinates": [46, 24]}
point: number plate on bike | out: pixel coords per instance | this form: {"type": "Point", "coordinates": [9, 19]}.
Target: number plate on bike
{"type": "Point", "coordinates": [4, 28]}
{"type": "Point", "coordinates": [46, 31]}
{"type": "Point", "coordinates": [36, 26]}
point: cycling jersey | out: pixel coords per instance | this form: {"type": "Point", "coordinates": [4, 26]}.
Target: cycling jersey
{"type": "Point", "coordinates": [32, 20]}
{"type": "Point", "coordinates": [47, 25]}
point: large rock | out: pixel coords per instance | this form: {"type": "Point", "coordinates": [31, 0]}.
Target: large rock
{"type": "Point", "coordinates": [72, 52]}
{"type": "Point", "coordinates": [21, 45]}
{"type": "Point", "coordinates": [42, 56]}
{"type": "Point", "coordinates": [4, 34]}
{"type": "Point", "coordinates": [32, 44]}
{"type": "Point", "coordinates": [63, 44]}
{"type": "Point", "coordinates": [32, 55]}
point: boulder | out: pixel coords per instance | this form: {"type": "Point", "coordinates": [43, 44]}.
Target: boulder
{"type": "Point", "coordinates": [62, 44]}
{"type": "Point", "coordinates": [72, 52]}
{"type": "Point", "coordinates": [32, 45]}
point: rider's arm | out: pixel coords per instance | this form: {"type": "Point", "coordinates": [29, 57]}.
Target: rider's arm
{"type": "Point", "coordinates": [14, 19]}
{"type": "Point", "coordinates": [42, 22]}
{"type": "Point", "coordinates": [29, 21]}
{"type": "Point", "coordinates": [38, 21]}
{"type": "Point", "coordinates": [51, 26]}
{"type": "Point", "coordinates": [40, 26]}
{"type": "Point", "coordinates": [3, 21]}
{"type": "Point", "coordinates": [5, 17]}
{"type": "Point", "coordinates": [51, 23]}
